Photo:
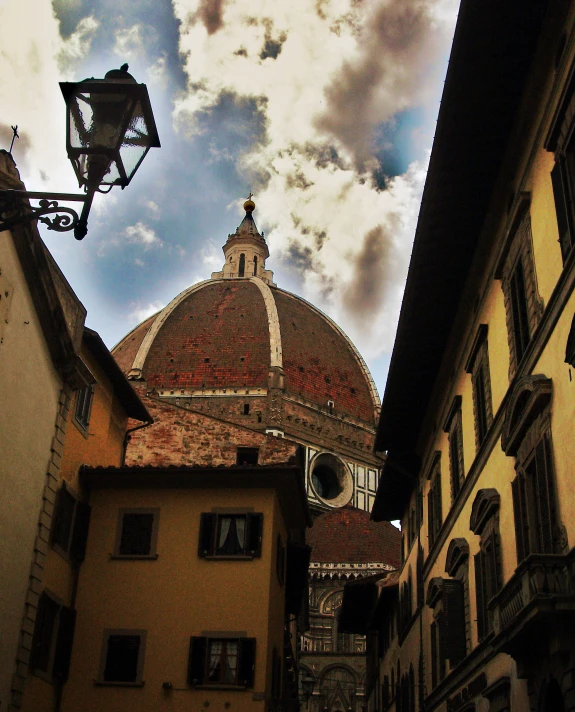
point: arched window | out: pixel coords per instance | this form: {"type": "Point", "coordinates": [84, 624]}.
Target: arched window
{"type": "Point", "coordinates": [242, 267]}
{"type": "Point", "coordinates": [255, 265]}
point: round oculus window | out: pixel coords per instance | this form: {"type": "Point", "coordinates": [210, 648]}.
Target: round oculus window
{"type": "Point", "coordinates": [331, 480]}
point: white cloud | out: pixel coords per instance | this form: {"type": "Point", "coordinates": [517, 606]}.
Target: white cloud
{"type": "Point", "coordinates": [78, 45]}
{"type": "Point", "coordinates": [157, 73]}
{"type": "Point", "coordinates": [138, 262]}
{"type": "Point", "coordinates": [141, 234]}
{"type": "Point", "coordinates": [323, 86]}
{"type": "Point", "coordinates": [152, 208]}
{"type": "Point", "coordinates": [129, 42]}
{"type": "Point", "coordinates": [139, 312]}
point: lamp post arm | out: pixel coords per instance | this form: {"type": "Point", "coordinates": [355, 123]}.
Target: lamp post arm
{"type": "Point", "coordinates": [15, 209]}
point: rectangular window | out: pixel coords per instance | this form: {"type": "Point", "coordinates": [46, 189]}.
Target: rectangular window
{"type": "Point", "coordinates": [52, 639]}
{"type": "Point", "coordinates": [487, 582]}
{"type": "Point", "coordinates": [478, 366]}
{"type": "Point", "coordinates": [247, 456]}
{"type": "Point", "coordinates": [519, 312]}
{"type": "Point", "coordinates": [70, 524]}
{"type": "Point", "coordinates": [435, 518]}
{"type": "Point", "coordinates": [230, 535]}
{"type": "Point", "coordinates": [563, 180]}
{"type": "Point", "coordinates": [137, 533]}
{"type": "Point", "coordinates": [221, 661]}
{"type": "Point", "coordinates": [453, 427]}
{"type": "Point", "coordinates": [534, 503]}
{"type": "Point", "coordinates": [122, 661]}
{"type": "Point", "coordinates": [83, 408]}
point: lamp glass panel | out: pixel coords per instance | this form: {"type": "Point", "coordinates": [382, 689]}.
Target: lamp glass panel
{"type": "Point", "coordinates": [136, 141]}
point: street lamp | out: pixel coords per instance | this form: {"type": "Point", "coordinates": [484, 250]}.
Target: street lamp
{"type": "Point", "coordinates": [109, 129]}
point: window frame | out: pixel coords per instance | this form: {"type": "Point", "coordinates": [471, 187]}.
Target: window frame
{"type": "Point", "coordinates": [478, 367]}
{"type": "Point", "coordinates": [125, 632]}
{"type": "Point", "coordinates": [199, 657]}
{"type": "Point", "coordinates": [83, 407]}
{"type": "Point", "coordinates": [434, 500]}
{"type": "Point", "coordinates": [122, 512]}
{"type": "Point", "coordinates": [74, 548]}
{"type": "Point", "coordinates": [61, 639]}
{"type": "Point", "coordinates": [209, 532]}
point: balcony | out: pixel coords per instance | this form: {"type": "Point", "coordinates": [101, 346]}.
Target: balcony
{"type": "Point", "coordinates": [537, 603]}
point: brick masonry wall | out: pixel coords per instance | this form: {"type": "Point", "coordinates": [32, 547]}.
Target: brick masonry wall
{"type": "Point", "coordinates": [125, 352]}
{"type": "Point", "coordinates": [184, 437]}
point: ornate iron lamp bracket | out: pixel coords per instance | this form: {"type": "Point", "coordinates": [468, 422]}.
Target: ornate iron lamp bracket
{"type": "Point", "coordinates": [15, 209]}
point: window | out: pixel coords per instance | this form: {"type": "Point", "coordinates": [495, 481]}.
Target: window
{"type": "Point", "coordinates": [247, 456]}
{"type": "Point", "coordinates": [488, 578]}
{"type": "Point", "coordinates": [70, 524]}
{"type": "Point", "coordinates": [516, 270]}
{"type": "Point", "coordinates": [457, 566]}
{"type": "Point", "coordinates": [242, 265]}
{"type": "Point", "coordinates": [230, 535]}
{"type": "Point", "coordinates": [52, 639]}
{"type": "Point", "coordinates": [434, 508]}
{"type": "Point", "coordinates": [137, 533]}
{"type": "Point", "coordinates": [225, 661]}
{"type": "Point", "coordinates": [453, 427]}
{"type": "Point", "coordinates": [84, 399]}
{"type": "Point", "coordinates": [122, 661]}
{"type": "Point", "coordinates": [247, 410]}
{"type": "Point", "coordinates": [478, 367]}
{"type": "Point", "coordinates": [448, 640]}
{"type": "Point", "coordinates": [526, 436]}
{"type": "Point", "coordinates": [405, 606]}
{"type": "Point", "coordinates": [255, 265]}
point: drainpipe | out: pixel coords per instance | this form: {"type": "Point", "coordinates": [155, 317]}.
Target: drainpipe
{"type": "Point", "coordinates": [127, 438]}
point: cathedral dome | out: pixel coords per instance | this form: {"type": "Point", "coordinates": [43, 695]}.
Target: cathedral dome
{"type": "Point", "coordinates": [238, 348]}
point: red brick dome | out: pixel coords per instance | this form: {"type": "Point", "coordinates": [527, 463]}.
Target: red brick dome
{"type": "Point", "coordinates": [348, 535]}
{"type": "Point", "coordinates": [229, 334]}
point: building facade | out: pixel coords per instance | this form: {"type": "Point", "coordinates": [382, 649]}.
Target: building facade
{"type": "Point", "coordinates": [477, 417]}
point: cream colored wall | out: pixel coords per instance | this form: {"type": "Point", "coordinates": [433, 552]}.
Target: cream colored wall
{"type": "Point", "coordinates": [29, 392]}
{"type": "Point", "coordinates": [174, 597]}
{"type": "Point", "coordinates": [102, 445]}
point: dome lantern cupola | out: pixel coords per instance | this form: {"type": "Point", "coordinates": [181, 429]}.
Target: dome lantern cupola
{"type": "Point", "coordinates": [246, 251]}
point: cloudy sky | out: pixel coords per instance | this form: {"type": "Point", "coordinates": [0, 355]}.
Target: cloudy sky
{"type": "Point", "coordinates": [324, 109]}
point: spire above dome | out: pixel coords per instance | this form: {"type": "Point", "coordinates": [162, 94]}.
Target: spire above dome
{"type": "Point", "coordinates": [246, 250]}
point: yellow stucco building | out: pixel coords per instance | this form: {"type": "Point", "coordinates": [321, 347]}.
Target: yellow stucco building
{"type": "Point", "coordinates": [477, 417]}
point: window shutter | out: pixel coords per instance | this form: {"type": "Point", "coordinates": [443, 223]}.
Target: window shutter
{"type": "Point", "coordinates": [247, 661]}
{"type": "Point", "coordinates": [136, 539]}
{"type": "Point", "coordinates": [452, 626]}
{"type": "Point", "coordinates": [43, 633]}
{"type": "Point", "coordinates": [431, 515]}
{"type": "Point", "coordinates": [80, 532]}
{"type": "Point", "coordinates": [197, 660]}
{"type": "Point", "coordinates": [63, 516]}
{"type": "Point", "coordinates": [207, 534]}
{"type": "Point", "coordinates": [544, 496]}
{"type": "Point", "coordinates": [561, 209]}
{"type": "Point", "coordinates": [255, 530]}
{"type": "Point", "coordinates": [480, 595]}
{"type": "Point", "coordinates": [519, 512]}
{"type": "Point", "coordinates": [521, 331]}
{"type": "Point", "coordinates": [64, 641]}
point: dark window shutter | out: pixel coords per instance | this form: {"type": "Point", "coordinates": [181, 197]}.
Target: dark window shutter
{"type": "Point", "coordinates": [43, 633]}
{"type": "Point", "coordinates": [481, 404]}
{"type": "Point", "coordinates": [437, 499]}
{"type": "Point", "coordinates": [255, 530]}
{"type": "Point", "coordinates": [452, 627]}
{"type": "Point", "coordinates": [207, 534]}
{"type": "Point", "coordinates": [520, 517]}
{"type": "Point", "coordinates": [136, 538]}
{"type": "Point", "coordinates": [480, 595]}
{"type": "Point", "coordinates": [122, 658]}
{"type": "Point", "coordinates": [197, 660]}
{"type": "Point", "coordinates": [431, 515]}
{"type": "Point", "coordinates": [64, 642]}
{"type": "Point", "coordinates": [560, 193]}
{"type": "Point", "coordinates": [544, 498]}
{"type": "Point", "coordinates": [520, 314]}
{"type": "Point", "coordinates": [80, 533]}
{"type": "Point", "coordinates": [247, 661]}
{"type": "Point", "coordinates": [63, 517]}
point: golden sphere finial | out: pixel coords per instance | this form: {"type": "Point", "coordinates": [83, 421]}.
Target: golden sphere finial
{"type": "Point", "coordinates": [249, 205]}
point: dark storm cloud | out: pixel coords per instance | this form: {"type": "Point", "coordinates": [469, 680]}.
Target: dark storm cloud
{"type": "Point", "coordinates": [363, 296]}
{"type": "Point", "coordinates": [387, 78]}
{"type": "Point", "coordinates": [297, 180]}
{"type": "Point", "coordinates": [211, 14]}
{"type": "Point", "coordinates": [272, 47]}
{"type": "Point", "coordinates": [299, 256]}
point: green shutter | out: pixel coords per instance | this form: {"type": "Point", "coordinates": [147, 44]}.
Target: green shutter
{"type": "Point", "coordinates": [64, 640]}
{"type": "Point", "coordinates": [197, 660]}
{"type": "Point", "coordinates": [207, 534]}
{"type": "Point", "coordinates": [247, 661]}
